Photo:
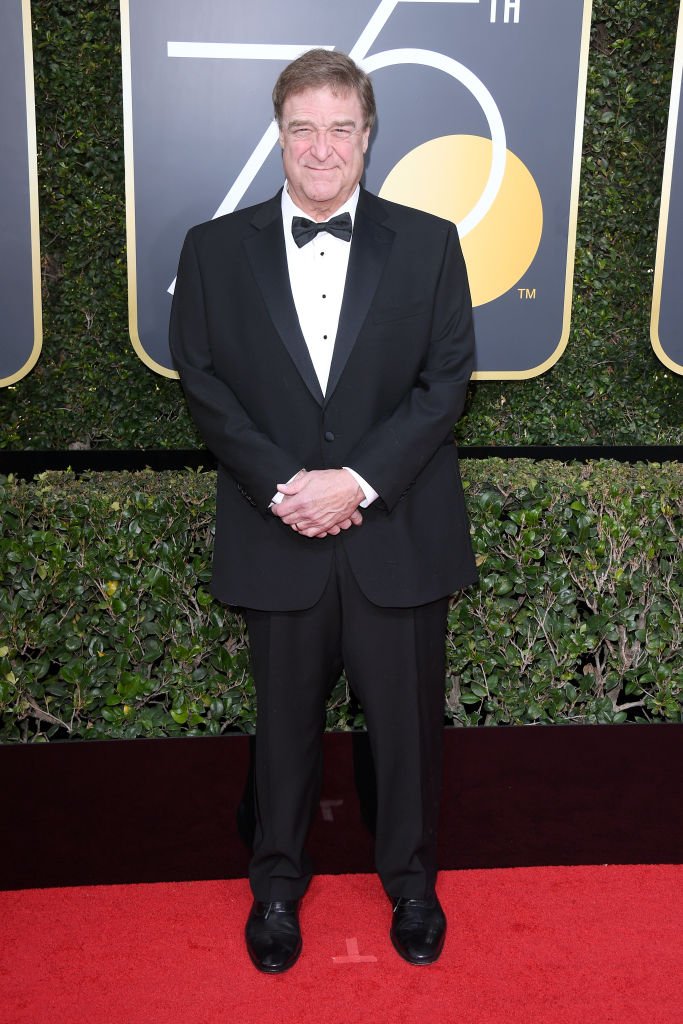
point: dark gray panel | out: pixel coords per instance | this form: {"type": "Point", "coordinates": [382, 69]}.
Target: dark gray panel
{"type": "Point", "coordinates": [670, 328]}
{"type": "Point", "coordinates": [20, 335]}
{"type": "Point", "coordinates": [196, 121]}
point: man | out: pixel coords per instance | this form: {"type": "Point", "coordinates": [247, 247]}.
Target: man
{"type": "Point", "coordinates": [324, 341]}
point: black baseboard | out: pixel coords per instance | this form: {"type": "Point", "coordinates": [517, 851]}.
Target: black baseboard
{"type": "Point", "coordinates": [27, 464]}
{"type": "Point", "coordinates": [167, 810]}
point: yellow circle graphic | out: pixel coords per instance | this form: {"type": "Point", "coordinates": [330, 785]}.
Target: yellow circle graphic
{"type": "Point", "coordinates": [446, 176]}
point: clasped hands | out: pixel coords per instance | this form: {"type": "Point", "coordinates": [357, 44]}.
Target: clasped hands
{"type": "Point", "coordinates": [320, 502]}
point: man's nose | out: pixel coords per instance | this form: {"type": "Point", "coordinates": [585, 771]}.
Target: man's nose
{"type": "Point", "coordinates": [320, 146]}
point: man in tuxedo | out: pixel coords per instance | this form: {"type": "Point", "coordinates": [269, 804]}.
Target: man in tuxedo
{"type": "Point", "coordinates": [324, 342]}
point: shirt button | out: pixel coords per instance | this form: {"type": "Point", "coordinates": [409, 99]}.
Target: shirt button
{"type": "Point", "coordinates": [329, 436]}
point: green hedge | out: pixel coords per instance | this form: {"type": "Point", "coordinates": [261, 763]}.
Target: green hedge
{"type": "Point", "coordinates": [90, 390]}
{"type": "Point", "coordinates": [107, 627]}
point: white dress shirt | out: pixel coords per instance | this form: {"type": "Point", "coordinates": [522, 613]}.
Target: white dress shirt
{"type": "Point", "coordinates": [317, 275]}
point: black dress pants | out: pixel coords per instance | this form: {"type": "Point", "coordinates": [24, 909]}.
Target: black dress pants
{"type": "Point", "coordinates": [395, 662]}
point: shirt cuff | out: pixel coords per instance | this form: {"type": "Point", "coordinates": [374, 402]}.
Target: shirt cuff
{"type": "Point", "coordinates": [278, 496]}
{"type": "Point", "coordinates": [369, 492]}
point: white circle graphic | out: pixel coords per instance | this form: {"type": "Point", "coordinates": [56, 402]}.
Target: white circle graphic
{"type": "Point", "coordinates": [462, 74]}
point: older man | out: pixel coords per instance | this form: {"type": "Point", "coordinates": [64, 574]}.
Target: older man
{"type": "Point", "coordinates": [324, 341]}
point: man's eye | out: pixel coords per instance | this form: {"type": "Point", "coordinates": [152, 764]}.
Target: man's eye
{"type": "Point", "coordinates": [302, 133]}
{"type": "Point", "coordinates": [341, 133]}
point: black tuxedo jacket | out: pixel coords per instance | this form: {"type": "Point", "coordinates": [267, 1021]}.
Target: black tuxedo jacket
{"type": "Point", "coordinates": [402, 360]}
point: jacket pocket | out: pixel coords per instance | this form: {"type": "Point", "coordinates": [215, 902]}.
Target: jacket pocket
{"type": "Point", "coordinates": [389, 314]}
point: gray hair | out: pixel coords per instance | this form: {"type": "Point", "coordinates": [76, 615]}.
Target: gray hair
{"type": "Point", "coordinates": [318, 69]}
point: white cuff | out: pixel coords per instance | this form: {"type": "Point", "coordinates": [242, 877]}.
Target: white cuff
{"type": "Point", "coordinates": [278, 496]}
{"type": "Point", "coordinates": [369, 492]}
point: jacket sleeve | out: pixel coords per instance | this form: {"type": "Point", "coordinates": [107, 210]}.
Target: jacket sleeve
{"type": "Point", "coordinates": [393, 453]}
{"type": "Point", "coordinates": [255, 462]}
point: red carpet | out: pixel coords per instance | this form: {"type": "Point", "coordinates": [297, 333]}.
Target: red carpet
{"type": "Point", "coordinates": [531, 945]}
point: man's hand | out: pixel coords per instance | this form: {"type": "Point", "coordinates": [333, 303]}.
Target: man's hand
{"type": "Point", "coordinates": [320, 502]}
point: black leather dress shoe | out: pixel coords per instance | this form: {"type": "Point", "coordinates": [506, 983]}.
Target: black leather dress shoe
{"type": "Point", "coordinates": [418, 930]}
{"type": "Point", "coordinates": [273, 935]}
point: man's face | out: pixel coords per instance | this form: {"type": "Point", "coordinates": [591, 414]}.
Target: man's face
{"type": "Point", "coordinates": [323, 141]}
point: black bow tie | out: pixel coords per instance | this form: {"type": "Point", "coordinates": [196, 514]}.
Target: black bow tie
{"type": "Point", "coordinates": [305, 230]}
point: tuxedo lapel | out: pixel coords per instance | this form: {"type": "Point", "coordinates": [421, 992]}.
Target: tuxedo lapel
{"type": "Point", "coordinates": [267, 256]}
{"type": "Point", "coordinates": [370, 246]}
{"type": "Point", "coordinates": [266, 253]}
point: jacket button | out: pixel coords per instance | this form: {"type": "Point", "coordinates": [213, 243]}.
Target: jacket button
{"type": "Point", "coordinates": [329, 436]}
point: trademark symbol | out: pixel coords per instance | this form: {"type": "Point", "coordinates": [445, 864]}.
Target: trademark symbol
{"type": "Point", "coordinates": [526, 293]}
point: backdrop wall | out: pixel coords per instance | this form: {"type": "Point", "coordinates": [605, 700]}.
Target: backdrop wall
{"type": "Point", "coordinates": [608, 387]}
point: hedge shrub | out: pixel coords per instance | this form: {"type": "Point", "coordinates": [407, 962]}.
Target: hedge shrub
{"type": "Point", "coordinates": [90, 390]}
{"type": "Point", "coordinates": [107, 628]}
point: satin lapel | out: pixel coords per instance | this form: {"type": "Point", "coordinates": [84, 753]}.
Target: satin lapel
{"type": "Point", "coordinates": [266, 254]}
{"type": "Point", "coordinates": [370, 248]}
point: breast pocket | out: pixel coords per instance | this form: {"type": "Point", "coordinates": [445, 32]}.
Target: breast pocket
{"type": "Point", "coordinates": [391, 314]}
